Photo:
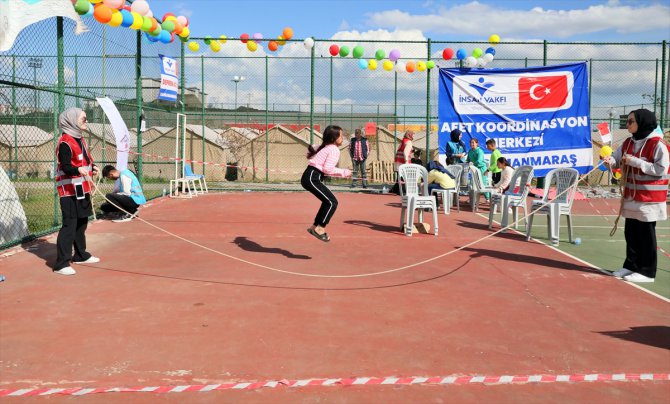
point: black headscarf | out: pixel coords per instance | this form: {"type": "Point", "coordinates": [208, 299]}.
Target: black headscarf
{"type": "Point", "coordinates": [646, 123]}
{"type": "Point", "coordinates": [455, 137]}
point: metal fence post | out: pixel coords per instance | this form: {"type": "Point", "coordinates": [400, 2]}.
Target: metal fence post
{"type": "Point", "coordinates": [138, 102]}
{"type": "Point", "coordinates": [395, 110]}
{"type": "Point", "coordinates": [330, 121]}
{"type": "Point", "coordinates": [311, 96]}
{"type": "Point", "coordinates": [663, 71]}
{"type": "Point", "coordinates": [267, 104]}
{"type": "Point", "coordinates": [60, 49]}
{"type": "Point", "coordinates": [590, 86]}
{"type": "Point", "coordinates": [202, 119]}
{"type": "Point", "coordinates": [16, 140]}
{"type": "Point", "coordinates": [76, 80]}
{"type": "Point", "coordinates": [427, 108]}
{"type": "Point", "coordinates": [544, 52]}
{"type": "Point", "coordinates": [377, 132]}
{"type": "Point", "coordinates": [656, 88]}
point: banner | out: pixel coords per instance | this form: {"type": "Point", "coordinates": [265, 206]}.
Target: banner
{"type": "Point", "coordinates": [169, 81]}
{"type": "Point", "coordinates": [605, 133]}
{"type": "Point", "coordinates": [120, 132]}
{"type": "Point", "coordinates": [15, 15]}
{"type": "Point", "coordinates": [538, 116]}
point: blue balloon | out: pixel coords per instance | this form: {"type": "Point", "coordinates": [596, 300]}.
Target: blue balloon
{"type": "Point", "coordinates": [127, 19]}
{"type": "Point", "coordinates": [461, 54]}
{"type": "Point", "coordinates": [164, 37]}
{"type": "Point", "coordinates": [491, 50]}
{"type": "Point", "coordinates": [150, 38]}
{"type": "Point", "coordinates": [363, 64]}
{"type": "Point", "coordinates": [90, 10]}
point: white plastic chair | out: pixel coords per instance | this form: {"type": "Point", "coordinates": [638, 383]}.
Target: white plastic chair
{"type": "Point", "coordinates": [512, 200]}
{"type": "Point", "coordinates": [413, 199]}
{"type": "Point", "coordinates": [447, 195]}
{"type": "Point", "coordinates": [566, 183]}
{"type": "Point", "coordinates": [477, 188]}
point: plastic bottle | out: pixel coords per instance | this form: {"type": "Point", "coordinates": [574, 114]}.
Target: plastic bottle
{"type": "Point", "coordinates": [164, 191]}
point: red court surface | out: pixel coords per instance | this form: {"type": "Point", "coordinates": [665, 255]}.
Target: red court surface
{"type": "Point", "coordinates": [160, 312]}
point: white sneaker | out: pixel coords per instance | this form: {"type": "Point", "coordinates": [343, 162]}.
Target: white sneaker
{"type": "Point", "coordinates": [66, 271]}
{"type": "Point", "coordinates": [638, 278]}
{"type": "Point", "coordinates": [125, 218]}
{"type": "Point", "coordinates": [622, 272]}
{"type": "Point", "coordinates": [91, 260]}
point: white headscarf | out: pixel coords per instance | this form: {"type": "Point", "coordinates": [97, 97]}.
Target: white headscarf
{"type": "Point", "coordinates": [69, 122]}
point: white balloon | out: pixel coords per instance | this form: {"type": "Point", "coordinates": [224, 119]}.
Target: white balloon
{"type": "Point", "coordinates": [309, 43]}
{"type": "Point", "coordinates": [149, 14]}
{"type": "Point", "coordinates": [470, 61]}
{"type": "Point", "coordinates": [141, 7]}
{"type": "Point", "coordinates": [481, 62]}
{"type": "Point", "coordinates": [488, 58]}
{"type": "Point", "coordinates": [400, 67]}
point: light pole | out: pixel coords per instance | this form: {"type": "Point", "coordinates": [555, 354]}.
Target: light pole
{"type": "Point", "coordinates": [237, 80]}
{"type": "Point", "coordinates": [35, 63]}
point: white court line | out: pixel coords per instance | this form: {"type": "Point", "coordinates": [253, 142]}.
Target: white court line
{"type": "Point", "coordinates": [665, 299]}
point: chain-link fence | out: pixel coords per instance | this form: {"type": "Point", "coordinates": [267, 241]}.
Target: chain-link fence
{"type": "Point", "coordinates": [249, 114]}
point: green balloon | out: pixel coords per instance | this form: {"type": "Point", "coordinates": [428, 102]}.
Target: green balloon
{"type": "Point", "coordinates": [183, 39]}
{"type": "Point", "coordinates": [380, 54]}
{"type": "Point", "coordinates": [358, 52]}
{"type": "Point", "coordinates": [81, 6]}
{"type": "Point", "coordinates": [157, 31]}
{"type": "Point", "coordinates": [477, 52]}
{"type": "Point", "coordinates": [146, 25]}
{"type": "Point", "coordinates": [430, 64]}
{"type": "Point", "coordinates": [344, 51]}
{"type": "Point", "coordinates": [208, 39]}
{"type": "Point", "coordinates": [168, 25]}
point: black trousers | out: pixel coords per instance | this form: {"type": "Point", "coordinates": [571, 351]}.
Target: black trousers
{"type": "Point", "coordinates": [641, 255]}
{"type": "Point", "coordinates": [495, 177]}
{"type": "Point", "coordinates": [312, 181]}
{"type": "Point", "coordinates": [124, 201]}
{"type": "Point", "coordinates": [73, 232]}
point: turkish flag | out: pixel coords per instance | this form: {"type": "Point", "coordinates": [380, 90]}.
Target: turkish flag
{"type": "Point", "coordinates": [543, 92]}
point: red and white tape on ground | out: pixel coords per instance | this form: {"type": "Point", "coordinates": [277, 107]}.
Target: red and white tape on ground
{"type": "Point", "coordinates": [359, 381]}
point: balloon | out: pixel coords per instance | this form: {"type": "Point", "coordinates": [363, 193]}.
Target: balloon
{"type": "Point", "coordinates": [215, 46]}
{"type": "Point", "coordinates": [193, 46]}
{"type": "Point", "coordinates": [252, 46]}
{"type": "Point", "coordinates": [430, 64]}
{"type": "Point", "coordinates": [358, 51]}
{"type": "Point", "coordinates": [141, 7]}
{"type": "Point", "coordinates": [344, 51]}
{"type": "Point", "coordinates": [96, 1]}
{"type": "Point", "coordinates": [182, 20]}
{"type": "Point", "coordinates": [410, 67]}
{"type": "Point", "coordinates": [178, 28]}
{"type": "Point", "coordinates": [223, 39]}
{"type": "Point", "coordinates": [605, 151]}
{"type": "Point", "coordinates": [89, 13]}
{"type": "Point", "coordinates": [166, 15]}
{"type": "Point", "coordinates": [137, 20]}
{"type": "Point", "coordinates": [394, 55]}
{"type": "Point", "coordinates": [617, 173]}
{"type": "Point", "coordinates": [156, 32]}
{"type": "Point", "coordinates": [372, 64]}
{"type": "Point", "coordinates": [117, 4]}
{"type": "Point", "coordinates": [380, 54]}
{"type": "Point", "coordinates": [334, 50]}
{"type": "Point", "coordinates": [149, 14]}
{"type": "Point", "coordinates": [491, 50]}
{"type": "Point", "coordinates": [421, 66]}
{"type": "Point", "coordinates": [82, 6]}
{"type": "Point", "coordinates": [461, 54]}
{"type": "Point", "coordinates": [308, 43]}
{"type": "Point", "coordinates": [127, 20]}
{"type": "Point", "coordinates": [183, 39]}
{"type": "Point", "coordinates": [244, 38]}
{"type": "Point", "coordinates": [102, 14]}
{"type": "Point", "coordinates": [470, 61]}
{"type": "Point", "coordinates": [281, 40]}
{"type": "Point", "coordinates": [602, 166]}
{"type": "Point", "coordinates": [165, 37]}
{"type": "Point", "coordinates": [150, 38]}
{"type": "Point", "coordinates": [481, 62]}
{"type": "Point", "coordinates": [287, 33]}
{"type": "Point", "coordinates": [273, 46]}
{"type": "Point", "coordinates": [168, 26]}
{"type": "Point", "coordinates": [362, 64]}
{"type": "Point", "coordinates": [185, 32]}
{"type": "Point", "coordinates": [207, 40]}
{"type": "Point", "coordinates": [117, 18]}
{"type": "Point", "coordinates": [400, 67]}
{"type": "Point", "coordinates": [494, 39]}
{"type": "Point", "coordinates": [146, 24]}
{"type": "Point", "coordinates": [388, 65]}
{"type": "Point", "coordinates": [477, 52]}
{"type": "Point", "coordinates": [257, 35]}
{"type": "Point", "coordinates": [447, 53]}
{"type": "Point", "coordinates": [488, 57]}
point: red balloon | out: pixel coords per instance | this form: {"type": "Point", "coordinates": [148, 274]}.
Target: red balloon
{"type": "Point", "coordinates": [244, 38]}
{"type": "Point", "coordinates": [168, 15]}
{"type": "Point", "coordinates": [273, 46]}
{"type": "Point", "coordinates": [334, 50]}
{"type": "Point", "coordinates": [447, 53]}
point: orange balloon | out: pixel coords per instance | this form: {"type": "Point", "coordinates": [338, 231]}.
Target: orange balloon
{"type": "Point", "coordinates": [102, 14]}
{"type": "Point", "coordinates": [178, 28]}
{"type": "Point", "coordinates": [410, 67]}
{"type": "Point", "coordinates": [273, 46]}
{"type": "Point", "coordinates": [287, 33]}
{"type": "Point", "coordinates": [154, 24]}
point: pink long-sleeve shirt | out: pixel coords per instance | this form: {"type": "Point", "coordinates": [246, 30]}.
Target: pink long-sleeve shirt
{"type": "Point", "coordinates": [326, 161]}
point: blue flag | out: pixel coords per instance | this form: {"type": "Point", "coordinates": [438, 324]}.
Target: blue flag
{"type": "Point", "coordinates": [169, 81]}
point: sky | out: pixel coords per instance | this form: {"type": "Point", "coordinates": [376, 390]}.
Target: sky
{"type": "Point", "coordinates": [569, 20]}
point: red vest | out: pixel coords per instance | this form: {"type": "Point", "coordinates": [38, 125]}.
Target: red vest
{"type": "Point", "coordinates": [640, 186]}
{"type": "Point", "coordinates": [66, 183]}
{"type": "Point", "coordinates": [400, 154]}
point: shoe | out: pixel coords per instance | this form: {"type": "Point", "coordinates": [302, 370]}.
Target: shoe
{"type": "Point", "coordinates": [90, 260]}
{"type": "Point", "coordinates": [638, 278]}
{"type": "Point", "coordinates": [622, 272]}
{"type": "Point", "coordinates": [125, 218]}
{"type": "Point", "coordinates": [66, 271]}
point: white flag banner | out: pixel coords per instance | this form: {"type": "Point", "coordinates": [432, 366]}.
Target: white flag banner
{"type": "Point", "coordinates": [120, 132]}
{"type": "Point", "coordinates": [15, 15]}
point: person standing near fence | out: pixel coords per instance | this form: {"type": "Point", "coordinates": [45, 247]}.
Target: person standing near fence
{"type": "Point", "coordinates": [323, 161]}
{"type": "Point", "coordinates": [403, 156]}
{"type": "Point", "coordinates": [73, 181]}
{"type": "Point", "coordinates": [645, 159]}
{"type": "Point", "coordinates": [358, 150]}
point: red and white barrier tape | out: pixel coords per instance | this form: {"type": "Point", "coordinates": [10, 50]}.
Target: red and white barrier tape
{"type": "Point", "coordinates": [663, 251]}
{"type": "Point", "coordinates": [359, 381]}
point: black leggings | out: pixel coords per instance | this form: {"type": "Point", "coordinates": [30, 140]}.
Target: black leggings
{"type": "Point", "coordinates": [124, 201]}
{"type": "Point", "coordinates": [641, 255]}
{"type": "Point", "coordinates": [312, 181]}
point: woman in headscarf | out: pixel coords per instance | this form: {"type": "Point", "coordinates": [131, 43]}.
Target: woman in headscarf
{"type": "Point", "coordinates": [644, 156]}
{"type": "Point", "coordinates": [403, 156]}
{"type": "Point", "coordinates": [73, 181]}
{"type": "Point", "coordinates": [456, 148]}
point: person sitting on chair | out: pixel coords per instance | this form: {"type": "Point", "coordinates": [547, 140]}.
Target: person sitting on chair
{"type": "Point", "coordinates": [127, 194]}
